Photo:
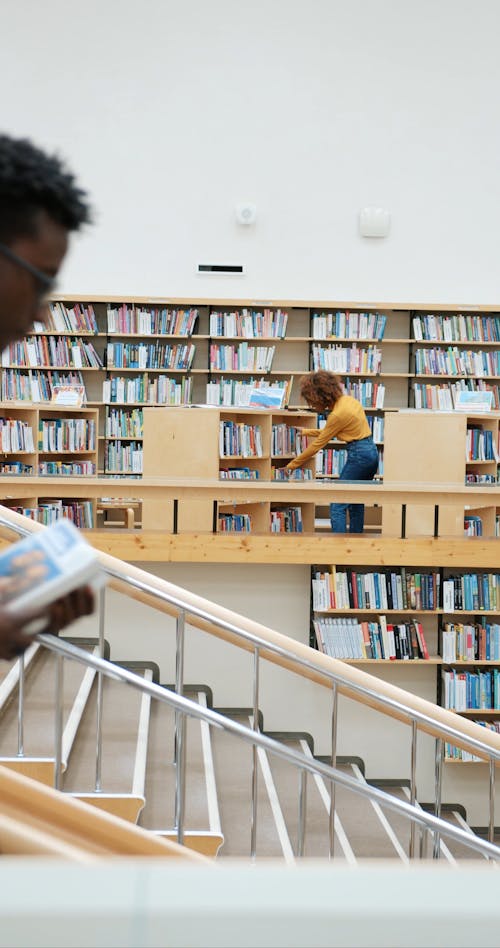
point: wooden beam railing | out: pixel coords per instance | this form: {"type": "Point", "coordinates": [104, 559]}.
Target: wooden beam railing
{"type": "Point", "coordinates": [229, 492]}
{"type": "Point", "coordinates": [159, 539]}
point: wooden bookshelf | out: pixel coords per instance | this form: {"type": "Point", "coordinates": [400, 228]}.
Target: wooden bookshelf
{"type": "Point", "coordinates": [220, 443]}
{"type": "Point", "coordinates": [362, 639]}
{"type": "Point", "coordinates": [63, 442]}
{"type": "Point", "coordinates": [372, 345]}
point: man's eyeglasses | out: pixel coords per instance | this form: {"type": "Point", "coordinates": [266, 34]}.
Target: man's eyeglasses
{"type": "Point", "coordinates": [45, 283]}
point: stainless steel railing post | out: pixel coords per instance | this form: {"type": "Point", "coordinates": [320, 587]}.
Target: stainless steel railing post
{"type": "Point", "coordinates": [301, 840]}
{"type": "Point", "coordinates": [58, 728]}
{"type": "Point", "coordinates": [180, 729]}
{"type": "Point", "coordinates": [255, 758]}
{"type": "Point", "coordinates": [413, 790]}
{"type": "Point", "coordinates": [20, 708]}
{"type": "Point", "coordinates": [100, 694]}
{"type": "Point", "coordinates": [180, 778]}
{"type": "Point", "coordinates": [491, 826]}
{"type": "Point", "coordinates": [331, 817]}
{"type": "Point", "coordinates": [438, 782]}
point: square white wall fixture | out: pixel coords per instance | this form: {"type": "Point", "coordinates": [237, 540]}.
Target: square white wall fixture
{"type": "Point", "coordinates": [374, 222]}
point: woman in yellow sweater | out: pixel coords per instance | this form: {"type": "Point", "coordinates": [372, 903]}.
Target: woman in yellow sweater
{"type": "Point", "coordinates": [346, 421]}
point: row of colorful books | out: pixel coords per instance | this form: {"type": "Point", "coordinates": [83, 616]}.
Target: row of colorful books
{"type": "Point", "coordinates": [391, 589]}
{"type": "Point", "coordinates": [348, 325]}
{"type": "Point", "coordinates": [350, 638]}
{"type": "Point", "coordinates": [459, 327]}
{"type": "Point", "coordinates": [462, 642]}
{"type": "Point", "coordinates": [453, 361]}
{"type": "Point", "coordinates": [135, 320]}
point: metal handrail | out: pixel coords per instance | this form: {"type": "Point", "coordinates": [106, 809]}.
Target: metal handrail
{"type": "Point", "coordinates": [260, 644]}
{"type": "Point", "coordinates": [185, 607]}
{"type": "Point", "coordinates": [185, 706]}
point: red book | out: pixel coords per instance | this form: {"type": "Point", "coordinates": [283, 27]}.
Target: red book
{"type": "Point", "coordinates": [422, 644]}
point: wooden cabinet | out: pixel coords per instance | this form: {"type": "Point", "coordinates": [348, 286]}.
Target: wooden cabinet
{"type": "Point", "coordinates": [214, 443]}
{"type": "Point", "coordinates": [427, 447]}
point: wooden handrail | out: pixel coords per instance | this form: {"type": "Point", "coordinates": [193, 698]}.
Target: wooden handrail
{"type": "Point", "coordinates": [36, 819]}
{"type": "Point", "coordinates": [318, 668]}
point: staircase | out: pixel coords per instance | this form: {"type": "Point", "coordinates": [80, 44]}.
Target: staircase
{"type": "Point", "coordinates": [135, 776]}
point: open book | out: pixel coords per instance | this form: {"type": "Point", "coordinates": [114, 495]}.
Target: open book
{"type": "Point", "coordinates": [46, 565]}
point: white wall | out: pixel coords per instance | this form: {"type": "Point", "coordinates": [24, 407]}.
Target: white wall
{"type": "Point", "coordinates": [172, 112]}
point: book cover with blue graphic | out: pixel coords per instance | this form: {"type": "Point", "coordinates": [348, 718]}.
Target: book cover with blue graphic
{"type": "Point", "coordinates": [46, 565]}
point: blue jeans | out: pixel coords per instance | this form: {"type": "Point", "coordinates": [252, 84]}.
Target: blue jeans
{"type": "Point", "coordinates": [361, 465]}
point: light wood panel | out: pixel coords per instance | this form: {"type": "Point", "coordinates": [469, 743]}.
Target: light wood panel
{"type": "Point", "coordinates": [321, 494]}
{"type": "Point", "coordinates": [125, 805]}
{"type": "Point", "coordinates": [344, 550]}
{"type": "Point", "coordinates": [35, 818]}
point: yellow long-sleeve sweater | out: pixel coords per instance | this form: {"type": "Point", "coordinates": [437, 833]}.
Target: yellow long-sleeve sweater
{"type": "Point", "coordinates": [346, 421]}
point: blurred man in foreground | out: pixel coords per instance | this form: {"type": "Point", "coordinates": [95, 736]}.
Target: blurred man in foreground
{"type": "Point", "coordinates": [40, 205]}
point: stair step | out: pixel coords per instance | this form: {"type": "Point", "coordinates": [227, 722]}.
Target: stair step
{"type": "Point", "coordinates": [39, 709]}
{"type": "Point", "coordinates": [160, 793]}
{"type": "Point", "coordinates": [450, 850]}
{"type": "Point", "coordinates": [207, 843]}
{"type": "Point", "coordinates": [366, 825]}
{"type": "Point", "coordinates": [233, 766]}
{"type": "Point", "coordinates": [125, 726]}
{"type": "Point", "coordinates": [317, 834]}
{"type": "Point", "coordinates": [457, 851]}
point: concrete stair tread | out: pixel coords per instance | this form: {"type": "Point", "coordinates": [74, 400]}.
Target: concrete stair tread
{"type": "Point", "coordinates": [364, 823]}
{"type": "Point", "coordinates": [120, 720]}
{"type": "Point", "coordinates": [39, 700]}
{"type": "Point", "coordinates": [458, 851]}
{"type": "Point", "coordinates": [159, 811]}
{"type": "Point", "coordinates": [317, 837]}
{"type": "Point", "coordinates": [233, 766]}
{"type": "Point", "coordinates": [450, 849]}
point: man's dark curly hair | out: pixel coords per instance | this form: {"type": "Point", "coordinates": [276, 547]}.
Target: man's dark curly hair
{"type": "Point", "coordinates": [30, 181]}
{"type": "Point", "coordinates": [321, 390]}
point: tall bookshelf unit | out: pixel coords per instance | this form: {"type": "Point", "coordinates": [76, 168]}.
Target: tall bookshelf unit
{"type": "Point", "coordinates": [132, 353]}
{"type": "Point", "coordinates": [456, 611]}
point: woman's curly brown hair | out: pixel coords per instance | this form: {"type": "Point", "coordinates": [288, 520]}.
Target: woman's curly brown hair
{"type": "Point", "coordinates": [321, 390]}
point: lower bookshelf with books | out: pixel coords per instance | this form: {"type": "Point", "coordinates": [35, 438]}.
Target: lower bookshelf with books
{"type": "Point", "coordinates": [48, 510]}
{"type": "Point", "coordinates": [398, 615]}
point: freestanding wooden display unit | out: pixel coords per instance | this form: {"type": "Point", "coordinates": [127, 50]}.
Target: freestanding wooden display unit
{"type": "Point", "coordinates": [428, 447]}
{"type": "Point", "coordinates": [187, 442]}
